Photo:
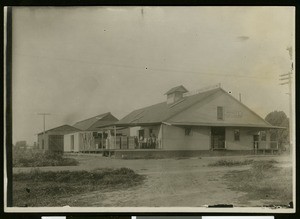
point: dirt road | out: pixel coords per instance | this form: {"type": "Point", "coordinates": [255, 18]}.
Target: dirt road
{"type": "Point", "coordinates": [169, 182]}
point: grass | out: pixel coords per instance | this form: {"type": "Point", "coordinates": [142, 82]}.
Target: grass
{"type": "Point", "coordinates": [32, 158]}
{"type": "Point", "coordinates": [38, 188]}
{"type": "Point", "coordinates": [263, 181]}
{"type": "Point", "coordinates": [230, 163]}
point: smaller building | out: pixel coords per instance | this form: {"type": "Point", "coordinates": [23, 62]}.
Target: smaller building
{"type": "Point", "coordinates": [21, 145]}
{"type": "Point", "coordinates": [90, 135]}
{"type": "Point", "coordinates": [53, 139]}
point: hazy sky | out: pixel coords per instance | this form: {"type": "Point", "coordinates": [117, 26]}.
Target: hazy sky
{"type": "Point", "coordinates": [79, 62]}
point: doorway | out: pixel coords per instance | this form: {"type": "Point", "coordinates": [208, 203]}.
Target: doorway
{"type": "Point", "coordinates": [255, 142]}
{"type": "Point", "coordinates": [72, 142]}
{"type": "Point", "coordinates": [218, 138]}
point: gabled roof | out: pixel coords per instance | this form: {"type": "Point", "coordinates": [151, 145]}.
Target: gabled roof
{"type": "Point", "coordinates": [178, 112]}
{"type": "Point", "coordinates": [96, 122]}
{"type": "Point", "coordinates": [63, 129]}
{"type": "Point", "coordinates": [162, 111]}
{"type": "Point", "coordinates": [180, 88]}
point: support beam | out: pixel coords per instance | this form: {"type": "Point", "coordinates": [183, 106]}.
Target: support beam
{"type": "Point", "coordinates": [102, 136]}
{"type": "Point", "coordinates": [115, 132]}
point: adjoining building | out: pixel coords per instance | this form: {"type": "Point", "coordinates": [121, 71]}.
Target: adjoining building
{"type": "Point", "coordinates": [53, 139]}
{"type": "Point", "coordinates": [90, 136]}
{"type": "Point", "coordinates": [204, 122]}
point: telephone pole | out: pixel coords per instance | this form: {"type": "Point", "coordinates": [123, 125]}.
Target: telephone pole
{"type": "Point", "coordinates": [44, 125]}
{"type": "Point", "coordinates": [287, 79]}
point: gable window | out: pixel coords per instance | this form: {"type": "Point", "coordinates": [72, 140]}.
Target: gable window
{"type": "Point", "coordinates": [263, 136]}
{"type": "Point", "coordinates": [236, 134]}
{"type": "Point", "coordinates": [188, 131]}
{"type": "Point", "coordinates": [220, 113]}
{"type": "Point", "coordinates": [150, 131]}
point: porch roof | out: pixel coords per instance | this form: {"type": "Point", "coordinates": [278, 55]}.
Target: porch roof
{"type": "Point", "coordinates": [223, 125]}
{"type": "Point", "coordinates": [130, 124]}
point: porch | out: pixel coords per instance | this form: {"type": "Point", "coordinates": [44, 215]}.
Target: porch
{"type": "Point", "coordinates": [266, 147]}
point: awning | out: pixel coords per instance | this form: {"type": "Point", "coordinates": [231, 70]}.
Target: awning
{"type": "Point", "coordinates": [223, 125]}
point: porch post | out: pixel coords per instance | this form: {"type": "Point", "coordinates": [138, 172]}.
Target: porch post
{"type": "Point", "coordinates": [115, 130]}
{"type": "Point", "coordinates": [102, 136]}
{"type": "Point", "coordinates": [162, 135]}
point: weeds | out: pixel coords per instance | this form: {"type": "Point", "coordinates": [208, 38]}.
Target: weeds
{"type": "Point", "coordinates": [230, 163]}
{"type": "Point", "coordinates": [31, 158]}
{"type": "Point", "coordinates": [38, 188]}
{"type": "Point", "coordinates": [263, 181]}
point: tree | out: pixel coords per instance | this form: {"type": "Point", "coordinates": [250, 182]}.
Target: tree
{"type": "Point", "coordinates": [279, 118]}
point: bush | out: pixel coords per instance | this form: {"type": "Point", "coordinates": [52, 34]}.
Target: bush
{"type": "Point", "coordinates": [230, 163]}
{"type": "Point", "coordinates": [32, 158]}
{"type": "Point", "coordinates": [264, 181]}
{"type": "Point", "coordinates": [49, 188]}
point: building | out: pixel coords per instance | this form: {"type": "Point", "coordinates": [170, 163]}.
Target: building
{"type": "Point", "coordinates": [21, 145]}
{"type": "Point", "coordinates": [90, 136]}
{"type": "Point", "coordinates": [53, 139]}
{"type": "Point", "coordinates": [210, 121]}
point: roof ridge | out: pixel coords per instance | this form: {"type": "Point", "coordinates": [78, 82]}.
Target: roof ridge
{"type": "Point", "coordinates": [186, 97]}
{"type": "Point", "coordinates": [92, 117]}
{"type": "Point", "coordinates": [193, 103]}
{"type": "Point", "coordinates": [58, 127]}
{"type": "Point", "coordinates": [245, 106]}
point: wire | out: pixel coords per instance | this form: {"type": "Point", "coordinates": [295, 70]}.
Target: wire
{"type": "Point", "coordinates": [142, 67]}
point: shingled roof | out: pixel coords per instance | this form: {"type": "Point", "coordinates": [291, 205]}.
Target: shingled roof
{"type": "Point", "coordinates": [63, 129]}
{"type": "Point", "coordinates": [165, 113]}
{"type": "Point", "coordinates": [96, 122]}
{"type": "Point", "coordinates": [162, 111]}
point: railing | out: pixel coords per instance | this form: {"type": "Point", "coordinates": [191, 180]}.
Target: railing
{"type": "Point", "coordinates": [219, 145]}
{"type": "Point", "coordinates": [125, 142]}
{"type": "Point", "coordinates": [265, 145]}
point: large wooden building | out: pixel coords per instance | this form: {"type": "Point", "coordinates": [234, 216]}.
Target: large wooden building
{"type": "Point", "coordinates": [208, 121]}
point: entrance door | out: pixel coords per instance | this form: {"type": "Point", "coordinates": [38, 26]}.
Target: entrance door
{"type": "Point", "coordinates": [56, 143]}
{"type": "Point", "coordinates": [72, 142]}
{"type": "Point", "coordinates": [255, 141]}
{"type": "Point", "coordinates": [218, 138]}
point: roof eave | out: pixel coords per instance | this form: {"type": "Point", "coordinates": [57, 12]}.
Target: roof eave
{"type": "Point", "coordinates": [225, 125]}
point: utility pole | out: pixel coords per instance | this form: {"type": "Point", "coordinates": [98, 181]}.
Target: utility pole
{"type": "Point", "coordinates": [287, 79]}
{"type": "Point", "coordinates": [44, 125]}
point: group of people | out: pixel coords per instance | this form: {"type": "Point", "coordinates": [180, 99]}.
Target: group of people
{"type": "Point", "coordinates": [143, 142]}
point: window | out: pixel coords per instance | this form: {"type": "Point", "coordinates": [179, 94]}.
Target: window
{"type": "Point", "coordinates": [236, 134]}
{"type": "Point", "coordinates": [187, 131]}
{"type": "Point", "coordinates": [150, 131]}
{"type": "Point", "coordinates": [141, 134]}
{"type": "Point", "coordinates": [263, 136]}
{"type": "Point", "coordinates": [220, 113]}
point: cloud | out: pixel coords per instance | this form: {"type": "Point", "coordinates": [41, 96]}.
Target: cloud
{"type": "Point", "coordinates": [243, 38]}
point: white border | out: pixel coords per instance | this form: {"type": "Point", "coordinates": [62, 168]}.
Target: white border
{"type": "Point", "coordinates": [148, 209]}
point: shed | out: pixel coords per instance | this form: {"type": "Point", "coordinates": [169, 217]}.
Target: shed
{"type": "Point", "coordinates": [53, 139]}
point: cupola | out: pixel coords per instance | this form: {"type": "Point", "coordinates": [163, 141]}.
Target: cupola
{"type": "Point", "coordinates": [175, 94]}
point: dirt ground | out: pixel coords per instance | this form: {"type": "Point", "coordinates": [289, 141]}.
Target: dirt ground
{"type": "Point", "coordinates": [186, 182]}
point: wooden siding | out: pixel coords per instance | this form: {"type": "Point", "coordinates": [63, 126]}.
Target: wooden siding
{"type": "Point", "coordinates": [67, 142]}
{"type": "Point", "coordinates": [245, 142]}
{"type": "Point", "coordinates": [174, 138]}
{"type": "Point", "coordinates": [206, 112]}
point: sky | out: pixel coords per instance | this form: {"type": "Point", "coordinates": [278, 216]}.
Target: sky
{"type": "Point", "coordinates": [78, 62]}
